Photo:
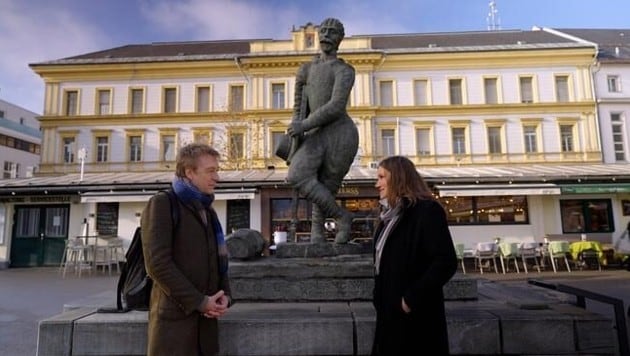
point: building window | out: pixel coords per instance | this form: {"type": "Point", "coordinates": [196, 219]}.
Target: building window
{"type": "Point", "coordinates": [586, 215]}
{"type": "Point", "coordinates": [613, 84]}
{"type": "Point", "coordinates": [102, 148]}
{"type": "Point", "coordinates": [276, 137]}
{"type": "Point", "coordinates": [309, 40]}
{"type": "Point", "coordinates": [455, 91]}
{"type": "Point", "coordinates": [168, 147]}
{"type": "Point", "coordinates": [386, 90]}
{"type": "Point", "coordinates": [420, 92]}
{"type": "Point", "coordinates": [388, 142]}
{"type": "Point", "coordinates": [104, 104]}
{"type": "Point", "coordinates": [135, 148]}
{"type": "Point", "coordinates": [490, 88]}
{"type": "Point", "coordinates": [137, 101]}
{"type": "Point", "coordinates": [237, 145]}
{"type": "Point", "coordinates": [170, 100]}
{"type": "Point", "coordinates": [71, 102]}
{"type": "Point", "coordinates": [202, 136]}
{"type": "Point", "coordinates": [458, 135]}
{"type": "Point", "coordinates": [618, 136]}
{"type": "Point", "coordinates": [566, 138]}
{"type": "Point", "coordinates": [68, 149]}
{"type": "Point", "coordinates": [494, 140]}
{"type": "Point", "coordinates": [1, 114]}
{"type": "Point", "coordinates": [237, 98]}
{"type": "Point", "coordinates": [562, 88]}
{"type": "Point", "coordinates": [10, 170]}
{"type": "Point", "coordinates": [530, 137]}
{"type": "Point", "coordinates": [526, 89]}
{"type": "Point", "coordinates": [423, 142]}
{"type": "Point", "coordinates": [203, 99]}
{"type": "Point", "coordinates": [486, 210]}
{"type": "Point", "coordinates": [277, 96]}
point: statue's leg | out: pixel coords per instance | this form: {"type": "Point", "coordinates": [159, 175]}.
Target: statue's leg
{"type": "Point", "coordinates": [319, 194]}
{"type": "Point", "coordinates": [317, 225]}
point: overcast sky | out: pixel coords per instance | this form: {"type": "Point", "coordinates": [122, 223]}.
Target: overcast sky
{"type": "Point", "coordinates": [33, 31]}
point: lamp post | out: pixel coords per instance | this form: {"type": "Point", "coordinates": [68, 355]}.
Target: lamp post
{"type": "Point", "coordinates": [82, 154]}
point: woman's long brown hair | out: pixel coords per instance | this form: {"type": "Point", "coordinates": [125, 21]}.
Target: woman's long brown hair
{"type": "Point", "coordinates": [405, 181]}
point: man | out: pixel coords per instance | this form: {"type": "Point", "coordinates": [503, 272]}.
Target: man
{"type": "Point", "coordinates": [328, 137]}
{"type": "Point", "coordinates": [188, 265]}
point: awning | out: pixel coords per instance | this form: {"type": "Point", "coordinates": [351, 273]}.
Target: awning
{"type": "Point", "coordinates": [139, 196]}
{"type": "Point", "coordinates": [497, 189]}
{"type": "Point", "coordinates": [595, 188]}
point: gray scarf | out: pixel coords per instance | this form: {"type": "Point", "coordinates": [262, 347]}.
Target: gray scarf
{"type": "Point", "coordinates": [389, 216]}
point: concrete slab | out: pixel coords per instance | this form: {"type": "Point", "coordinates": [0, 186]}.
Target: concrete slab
{"type": "Point", "coordinates": [55, 337]}
{"type": "Point", "coordinates": [287, 329]}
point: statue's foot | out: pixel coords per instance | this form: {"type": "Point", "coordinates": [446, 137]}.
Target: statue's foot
{"type": "Point", "coordinates": [344, 228]}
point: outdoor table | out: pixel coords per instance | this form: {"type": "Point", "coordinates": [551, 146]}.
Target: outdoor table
{"type": "Point", "coordinates": [575, 248]}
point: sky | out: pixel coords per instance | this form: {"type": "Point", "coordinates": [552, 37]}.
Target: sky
{"type": "Point", "coordinates": [35, 31]}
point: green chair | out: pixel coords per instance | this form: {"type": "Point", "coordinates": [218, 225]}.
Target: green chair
{"type": "Point", "coordinates": [559, 250]}
{"type": "Point", "coordinates": [459, 250]}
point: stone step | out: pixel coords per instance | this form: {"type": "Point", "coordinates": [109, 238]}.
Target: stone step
{"type": "Point", "coordinates": [335, 278]}
{"type": "Point", "coordinates": [488, 327]}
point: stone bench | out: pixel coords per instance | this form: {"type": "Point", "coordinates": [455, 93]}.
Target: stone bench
{"type": "Point", "coordinates": [475, 327]}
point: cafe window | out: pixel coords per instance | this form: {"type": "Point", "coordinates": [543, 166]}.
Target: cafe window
{"type": "Point", "coordinates": [586, 215]}
{"type": "Point", "coordinates": [365, 210]}
{"type": "Point", "coordinates": [486, 210]}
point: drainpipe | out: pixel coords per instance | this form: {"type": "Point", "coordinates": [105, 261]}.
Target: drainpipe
{"type": "Point", "coordinates": [375, 149]}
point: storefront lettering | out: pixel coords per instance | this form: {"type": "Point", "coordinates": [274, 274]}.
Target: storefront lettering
{"type": "Point", "coordinates": [37, 199]}
{"type": "Point", "coordinates": [349, 191]}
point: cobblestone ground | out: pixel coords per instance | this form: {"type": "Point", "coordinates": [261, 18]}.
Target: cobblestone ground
{"type": "Point", "coordinates": [28, 295]}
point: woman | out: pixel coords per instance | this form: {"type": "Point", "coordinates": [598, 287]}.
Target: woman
{"type": "Point", "coordinates": [414, 257]}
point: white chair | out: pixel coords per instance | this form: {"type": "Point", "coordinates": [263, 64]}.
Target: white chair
{"type": "Point", "coordinates": [529, 251]}
{"type": "Point", "coordinates": [459, 250]}
{"type": "Point", "coordinates": [76, 256]}
{"type": "Point", "coordinates": [486, 251]}
{"type": "Point", "coordinates": [558, 250]}
{"type": "Point", "coordinates": [116, 252]}
{"type": "Point", "coordinates": [101, 258]}
{"type": "Point", "coordinates": [508, 251]}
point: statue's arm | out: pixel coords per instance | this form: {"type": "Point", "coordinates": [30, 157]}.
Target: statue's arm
{"type": "Point", "coordinates": [335, 108]}
{"type": "Point", "coordinates": [300, 82]}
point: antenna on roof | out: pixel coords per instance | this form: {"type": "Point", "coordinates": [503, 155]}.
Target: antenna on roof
{"type": "Point", "coordinates": [493, 20]}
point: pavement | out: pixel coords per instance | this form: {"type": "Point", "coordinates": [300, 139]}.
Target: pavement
{"type": "Point", "coordinates": [29, 295]}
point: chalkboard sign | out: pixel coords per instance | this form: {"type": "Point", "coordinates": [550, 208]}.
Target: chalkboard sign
{"type": "Point", "coordinates": [237, 215]}
{"type": "Point", "coordinates": [107, 219]}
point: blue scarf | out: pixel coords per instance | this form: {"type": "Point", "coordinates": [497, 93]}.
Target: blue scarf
{"type": "Point", "coordinates": [188, 193]}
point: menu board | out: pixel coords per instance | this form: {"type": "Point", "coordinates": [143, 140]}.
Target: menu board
{"type": "Point", "coordinates": [237, 215]}
{"type": "Point", "coordinates": [107, 219]}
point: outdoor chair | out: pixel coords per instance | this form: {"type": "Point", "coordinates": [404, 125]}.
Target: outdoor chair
{"type": "Point", "coordinates": [589, 258]}
{"type": "Point", "coordinates": [558, 250]}
{"type": "Point", "coordinates": [529, 251]}
{"type": "Point", "coordinates": [508, 251]}
{"type": "Point", "coordinates": [75, 256]}
{"type": "Point", "coordinates": [486, 252]}
{"type": "Point", "coordinates": [459, 250]}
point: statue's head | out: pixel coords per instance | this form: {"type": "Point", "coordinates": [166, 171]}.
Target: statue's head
{"type": "Point", "coordinates": [331, 32]}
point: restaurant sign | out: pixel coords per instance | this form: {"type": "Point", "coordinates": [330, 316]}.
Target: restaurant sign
{"type": "Point", "coordinates": [595, 188]}
{"type": "Point", "coordinates": [40, 199]}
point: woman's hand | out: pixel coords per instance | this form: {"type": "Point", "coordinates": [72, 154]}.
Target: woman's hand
{"type": "Point", "coordinates": [405, 307]}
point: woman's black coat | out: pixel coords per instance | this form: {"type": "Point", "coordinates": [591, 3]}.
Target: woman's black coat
{"type": "Point", "coordinates": [417, 260]}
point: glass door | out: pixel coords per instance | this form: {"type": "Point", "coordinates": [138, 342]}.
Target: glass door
{"type": "Point", "coordinates": [39, 235]}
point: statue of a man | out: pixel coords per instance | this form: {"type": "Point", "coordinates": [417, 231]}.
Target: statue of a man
{"type": "Point", "coordinates": [328, 138]}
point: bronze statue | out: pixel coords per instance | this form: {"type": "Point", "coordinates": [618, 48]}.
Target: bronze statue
{"type": "Point", "coordinates": [325, 137]}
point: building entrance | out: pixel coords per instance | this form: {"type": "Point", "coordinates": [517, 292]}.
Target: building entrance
{"type": "Point", "coordinates": [39, 235]}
